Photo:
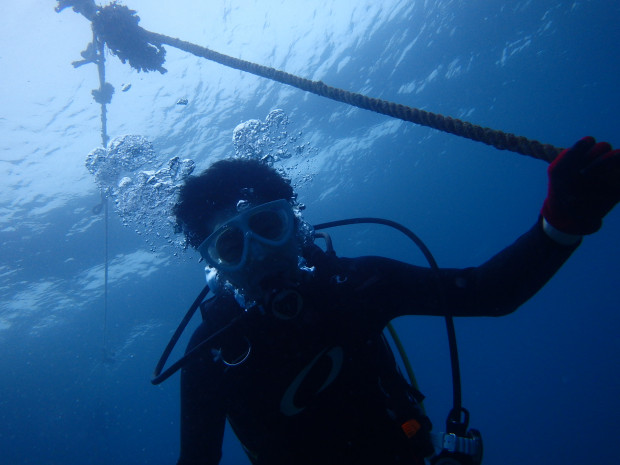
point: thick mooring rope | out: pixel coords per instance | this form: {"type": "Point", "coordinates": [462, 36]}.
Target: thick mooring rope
{"type": "Point", "coordinates": [118, 27]}
{"type": "Point", "coordinates": [498, 139]}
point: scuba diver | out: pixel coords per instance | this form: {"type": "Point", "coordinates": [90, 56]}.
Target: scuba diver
{"type": "Point", "coordinates": [290, 349]}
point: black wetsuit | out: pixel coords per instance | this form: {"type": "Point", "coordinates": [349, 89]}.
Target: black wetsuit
{"type": "Point", "coordinates": [319, 385]}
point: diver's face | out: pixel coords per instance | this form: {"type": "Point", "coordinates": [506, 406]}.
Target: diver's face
{"type": "Point", "coordinates": [254, 247]}
{"type": "Point", "coordinates": [265, 265]}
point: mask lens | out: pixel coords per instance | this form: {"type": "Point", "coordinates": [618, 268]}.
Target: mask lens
{"type": "Point", "coordinates": [229, 246]}
{"type": "Point", "coordinates": [267, 224]}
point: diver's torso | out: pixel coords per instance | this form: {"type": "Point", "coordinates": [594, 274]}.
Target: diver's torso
{"type": "Point", "coordinates": [313, 383]}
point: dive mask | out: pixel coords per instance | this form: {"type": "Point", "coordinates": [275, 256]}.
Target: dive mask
{"type": "Point", "coordinates": [271, 224]}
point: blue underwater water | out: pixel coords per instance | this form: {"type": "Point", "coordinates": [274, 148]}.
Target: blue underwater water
{"type": "Point", "coordinates": [541, 384]}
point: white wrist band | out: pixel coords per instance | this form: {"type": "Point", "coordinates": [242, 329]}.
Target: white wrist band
{"type": "Point", "coordinates": [559, 236]}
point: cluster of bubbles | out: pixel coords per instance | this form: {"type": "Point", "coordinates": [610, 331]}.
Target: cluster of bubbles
{"type": "Point", "coordinates": [269, 140]}
{"type": "Point", "coordinates": [143, 191]}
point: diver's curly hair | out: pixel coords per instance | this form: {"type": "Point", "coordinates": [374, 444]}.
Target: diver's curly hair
{"type": "Point", "coordinates": [219, 188]}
